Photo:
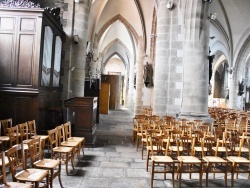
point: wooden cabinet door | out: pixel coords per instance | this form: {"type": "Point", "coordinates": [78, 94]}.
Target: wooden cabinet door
{"type": "Point", "coordinates": [104, 98]}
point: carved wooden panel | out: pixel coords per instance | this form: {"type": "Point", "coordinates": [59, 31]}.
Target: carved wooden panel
{"type": "Point", "coordinates": [21, 105]}
{"type": "Point", "coordinates": [28, 24]}
{"type": "Point", "coordinates": [7, 24]}
{"type": "Point", "coordinates": [6, 58]}
{"type": "Point", "coordinates": [25, 62]}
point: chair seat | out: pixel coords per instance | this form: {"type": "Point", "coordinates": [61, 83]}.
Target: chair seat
{"type": "Point", "coordinates": [31, 175]}
{"type": "Point", "coordinates": [16, 185]}
{"type": "Point", "coordinates": [47, 163]}
{"type": "Point", "coordinates": [78, 139]}
{"type": "Point", "coordinates": [236, 159]}
{"type": "Point", "coordinates": [221, 149]}
{"type": "Point", "coordinates": [214, 159]}
{"type": "Point", "coordinates": [174, 148]}
{"type": "Point", "coordinates": [4, 138]}
{"type": "Point", "coordinates": [200, 149]}
{"type": "Point", "coordinates": [162, 159]}
{"type": "Point", "coordinates": [243, 149]}
{"type": "Point", "coordinates": [42, 137]}
{"type": "Point", "coordinates": [62, 149]}
{"type": "Point", "coordinates": [6, 160]}
{"type": "Point", "coordinates": [70, 144]}
{"type": "Point", "coordinates": [188, 159]}
{"type": "Point", "coordinates": [155, 148]}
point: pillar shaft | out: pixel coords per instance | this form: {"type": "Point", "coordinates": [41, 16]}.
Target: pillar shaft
{"type": "Point", "coordinates": [81, 15]}
{"type": "Point", "coordinates": [195, 61]}
{"type": "Point", "coordinates": [139, 77]}
{"type": "Point", "coordinates": [168, 62]}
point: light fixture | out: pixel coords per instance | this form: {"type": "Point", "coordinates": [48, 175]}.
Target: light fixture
{"type": "Point", "coordinates": [209, 1]}
{"type": "Point", "coordinates": [212, 16]}
{"type": "Point", "coordinates": [153, 35]}
{"type": "Point", "coordinates": [90, 57]}
{"type": "Point", "coordinates": [72, 68]}
{"type": "Point", "coordinates": [77, 1]}
{"type": "Point", "coordinates": [212, 37]}
{"type": "Point", "coordinates": [169, 5]}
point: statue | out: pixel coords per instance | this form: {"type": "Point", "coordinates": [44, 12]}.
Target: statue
{"type": "Point", "coordinates": [241, 88]}
{"type": "Point", "coordinates": [147, 75]}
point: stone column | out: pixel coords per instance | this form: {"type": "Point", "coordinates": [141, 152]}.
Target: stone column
{"type": "Point", "coordinates": [235, 101]}
{"type": "Point", "coordinates": [195, 62]}
{"type": "Point", "coordinates": [80, 26]}
{"type": "Point", "coordinates": [168, 61]}
{"type": "Point", "coordinates": [131, 89]}
{"type": "Point", "coordinates": [139, 78]}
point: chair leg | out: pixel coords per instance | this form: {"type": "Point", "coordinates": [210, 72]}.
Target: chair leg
{"type": "Point", "coordinates": [152, 173]}
{"type": "Point", "coordinates": [148, 151]}
{"type": "Point", "coordinates": [142, 148]}
{"type": "Point", "coordinates": [180, 173]}
{"type": "Point", "coordinates": [72, 159]}
{"type": "Point", "coordinates": [173, 166]}
{"type": "Point", "coordinates": [66, 163]}
{"type": "Point", "coordinates": [232, 175]}
{"type": "Point", "coordinates": [59, 175]}
{"type": "Point", "coordinates": [51, 178]}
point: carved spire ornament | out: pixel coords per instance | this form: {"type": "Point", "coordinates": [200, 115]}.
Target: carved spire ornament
{"type": "Point", "coordinates": [19, 4]}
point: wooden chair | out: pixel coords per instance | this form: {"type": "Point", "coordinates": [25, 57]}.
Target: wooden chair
{"type": "Point", "coordinates": [60, 152]}
{"type": "Point", "coordinates": [188, 163]}
{"type": "Point", "coordinates": [5, 184]}
{"type": "Point", "coordinates": [13, 134]}
{"type": "Point", "coordinates": [4, 138]}
{"type": "Point", "coordinates": [151, 146]}
{"type": "Point", "coordinates": [23, 129]}
{"type": "Point", "coordinates": [32, 175]}
{"type": "Point", "coordinates": [32, 128]}
{"type": "Point", "coordinates": [68, 136]}
{"type": "Point", "coordinates": [5, 124]}
{"type": "Point", "coordinates": [33, 134]}
{"type": "Point", "coordinates": [37, 160]}
{"type": "Point", "coordinates": [239, 164]}
{"type": "Point", "coordinates": [135, 122]}
{"type": "Point", "coordinates": [161, 162]}
{"type": "Point", "coordinates": [62, 142]}
{"type": "Point", "coordinates": [215, 164]}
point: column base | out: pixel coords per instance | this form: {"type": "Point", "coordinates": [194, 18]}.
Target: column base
{"type": "Point", "coordinates": [205, 117]}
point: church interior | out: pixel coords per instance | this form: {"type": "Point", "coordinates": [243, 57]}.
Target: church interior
{"type": "Point", "coordinates": [158, 72]}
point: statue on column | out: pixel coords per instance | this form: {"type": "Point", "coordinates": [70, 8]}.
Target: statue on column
{"type": "Point", "coordinates": [241, 88]}
{"type": "Point", "coordinates": [147, 76]}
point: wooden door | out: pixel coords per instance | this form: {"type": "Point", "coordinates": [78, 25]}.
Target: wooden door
{"type": "Point", "coordinates": [104, 98]}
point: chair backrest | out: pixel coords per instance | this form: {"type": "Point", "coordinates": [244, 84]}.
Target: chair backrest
{"type": "Point", "coordinates": [35, 149]}
{"type": "Point", "coordinates": [67, 130]}
{"type": "Point", "coordinates": [53, 140]}
{"type": "Point", "coordinates": [13, 134]}
{"type": "Point", "coordinates": [3, 170]}
{"type": "Point", "coordinates": [5, 124]}
{"type": "Point", "coordinates": [60, 134]}
{"type": "Point", "coordinates": [32, 128]}
{"type": "Point", "coordinates": [16, 157]}
{"type": "Point", "coordinates": [23, 131]}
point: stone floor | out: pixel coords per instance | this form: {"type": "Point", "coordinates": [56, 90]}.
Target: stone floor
{"type": "Point", "coordinates": [114, 161]}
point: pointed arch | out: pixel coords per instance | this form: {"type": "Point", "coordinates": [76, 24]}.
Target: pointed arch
{"type": "Point", "coordinates": [111, 55]}
{"type": "Point", "coordinates": [122, 20]}
{"type": "Point", "coordinates": [119, 42]}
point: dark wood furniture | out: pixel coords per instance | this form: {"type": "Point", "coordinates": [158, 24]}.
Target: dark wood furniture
{"type": "Point", "coordinates": [82, 114]}
{"type": "Point", "coordinates": [93, 90]}
{"type": "Point", "coordinates": [30, 62]}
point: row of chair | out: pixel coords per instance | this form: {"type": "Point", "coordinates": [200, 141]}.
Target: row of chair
{"type": "Point", "coordinates": [181, 156]}
{"type": "Point", "coordinates": [172, 134]}
{"type": "Point", "coordinates": [61, 144]}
